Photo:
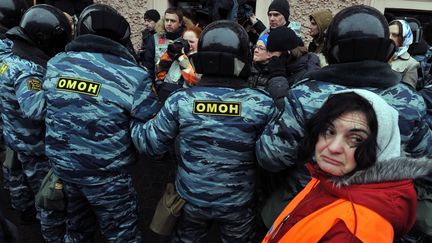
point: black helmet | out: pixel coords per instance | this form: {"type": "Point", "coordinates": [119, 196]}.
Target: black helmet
{"type": "Point", "coordinates": [44, 26]}
{"type": "Point", "coordinates": [223, 50]}
{"type": "Point", "coordinates": [11, 12]}
{"type": "Point", "coordinates": [103, 20]}
{"type": "Point", "coordinates": [358, 33]}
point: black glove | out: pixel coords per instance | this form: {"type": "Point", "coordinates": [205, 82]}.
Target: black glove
{"type": "Point", "coordinates": [277, 66]}
{"type": "Point", "coordinates": [164, 89]}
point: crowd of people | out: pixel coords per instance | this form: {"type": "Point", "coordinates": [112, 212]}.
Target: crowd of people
{"type": "Point", "coordinates": [273, 140]}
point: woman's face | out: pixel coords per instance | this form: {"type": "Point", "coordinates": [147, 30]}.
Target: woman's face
{"type": "Point", "coordinates": [261, 55]}
{"type": "Point", "coordinates": [334, 151]}
{"type": "Point", "coordinates": [395, 34]}
{"type": "Point", "coordinates": [191, 37]}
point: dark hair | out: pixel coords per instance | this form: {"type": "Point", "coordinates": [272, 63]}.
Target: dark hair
{"type": "Point", "coordinates": [399, 25]}
{"type": "Point", "coordinates": [336, 105]}
{"type": "Point", "coordinates": [175, 10]}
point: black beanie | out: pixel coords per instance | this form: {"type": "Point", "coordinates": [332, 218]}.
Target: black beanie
{"type": "Point", "coordinates": [152, 14]}
{"type": "Point", "coordinates": [282, 39]}
{"type": "Point", "coordinates": [281, 6]}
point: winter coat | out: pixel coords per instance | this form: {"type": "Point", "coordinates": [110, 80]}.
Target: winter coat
{"type": "Point", "coordinates": [155, 49]}
{"type": "Point", "coordinates": [385, 188]}
{"type": "Point", "coordinates": [214, 126]}
{"type": "Point", "coordinates": [22, 69]}
{"type": "Point", "coordinates": [92, 91]}
{"type": "Point", "coordinates": [407, 67]}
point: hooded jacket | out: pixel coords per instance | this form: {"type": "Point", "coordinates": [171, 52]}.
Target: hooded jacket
{"type": "Point", "coordinates": [322, 19]}
{"type": "Point", "coordinates": [385, 188]}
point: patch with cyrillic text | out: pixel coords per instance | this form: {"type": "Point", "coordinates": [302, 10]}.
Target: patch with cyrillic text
{"type": "Point", "coordinates": [79, 86]}
{"type": "Point", "coordinates": [217, 108]}
{"type": "Point", "coordinates": [34, 84]}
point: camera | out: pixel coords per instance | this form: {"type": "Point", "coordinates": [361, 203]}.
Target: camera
{"type": "Point", "coordinates": [175, 49]}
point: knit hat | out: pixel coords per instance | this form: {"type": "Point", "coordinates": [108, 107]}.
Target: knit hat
{"type": "Point", "coordinates": [281, 6]}
{"type": "Point", "coordinates": [152, 14]}
{"type": "Point", "coordinates": [388, 137]}
{"type": "Point", "coordinates": [264, 38]}
{"type": "Point", "coordinates": [282, 39]}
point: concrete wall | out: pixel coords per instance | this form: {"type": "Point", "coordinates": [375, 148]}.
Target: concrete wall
{"type": "Point", "coordinates": [134, 10]}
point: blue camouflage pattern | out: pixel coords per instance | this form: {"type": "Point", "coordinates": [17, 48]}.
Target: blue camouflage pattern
{"type": "Point", "coordinates": [88, 136]}
{"type": "Point", "coordinates": [234, 225]}
{"type": "Point", "coordinates": [5, 51]}
{"type": "Point", "coordinates": [20, 81]}
{"type": "Point", "coordinates": [90, 204]}
{"type": "Point", "coordinates": [216, 152]}
{"type": "Point", "coordinates": [277, 147]}
{"type": "Point", "coordinates": [21, 134]}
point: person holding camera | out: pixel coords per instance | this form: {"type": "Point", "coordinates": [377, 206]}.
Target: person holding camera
{"type": "Point", "coordinates": [169, 29]}
{"type": "Point", "coordinates": [174, 70]}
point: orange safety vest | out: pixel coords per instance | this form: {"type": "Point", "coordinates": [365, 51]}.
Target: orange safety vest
{"type": "Point", "coordinates": [371, 227]}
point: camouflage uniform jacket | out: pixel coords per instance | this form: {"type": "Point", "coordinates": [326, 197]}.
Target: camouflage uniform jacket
{"type": "Point", "coordinates": [5, 50]}
{"type": "Point", "coordinates": [90, 92]}
{"type": "Point", "coordinates": [278, 145]}
{"type": "Point", "coordinates": [20, 78]}
{"type": "Point", "coordinates": [215, 129]}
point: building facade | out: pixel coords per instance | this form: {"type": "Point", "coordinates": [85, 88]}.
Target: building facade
{"type": "Point", "coordinates": [134, 10]}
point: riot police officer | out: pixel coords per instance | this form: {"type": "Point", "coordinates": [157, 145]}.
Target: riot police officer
{"type": "Point", "coordinates": [216, 124]}
{"type": "Point", "coordinates": [90, 92]}
{"type": "Point", "coordinates": [43, 31]}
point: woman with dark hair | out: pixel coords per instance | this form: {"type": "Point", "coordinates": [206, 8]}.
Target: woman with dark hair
{"type": "Point", "coordinates": [402, 62]}
{"type": "Point", "coordinates": [361, 189]}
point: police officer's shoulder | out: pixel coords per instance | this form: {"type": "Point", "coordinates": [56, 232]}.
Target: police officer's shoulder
{"type": "Point", "coordinates": [301, 82]}
{"type": "Point", "coordinates": [258, 91]}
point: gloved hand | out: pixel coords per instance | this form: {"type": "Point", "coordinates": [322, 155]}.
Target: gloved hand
{"type": "Point", "coordinates": [277, 66]}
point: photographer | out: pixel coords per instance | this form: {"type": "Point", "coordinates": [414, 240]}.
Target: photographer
{"type": "Point", "coordinates": [174, 70]}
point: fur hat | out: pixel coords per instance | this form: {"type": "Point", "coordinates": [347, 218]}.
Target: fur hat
{"type": "Point", "coordinates": [281, 6]}
{"type": "Point", "coordinates": [282, 39]}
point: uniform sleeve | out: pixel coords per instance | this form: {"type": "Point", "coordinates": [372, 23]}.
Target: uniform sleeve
{"type": "Point", "coordinates": [30, 96]}
{"type": "Point", "coordinates": [420, 139]}
{"type": "Point", "coordinates": [276, 148]}
{"type": "Point", "coordinates": [145, 104]}
{"type": "Point", "coordinates": [156, 136]}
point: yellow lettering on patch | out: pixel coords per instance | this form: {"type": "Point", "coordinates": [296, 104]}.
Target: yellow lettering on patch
{"type": "Point", "coordinates": [34, 84]}
{"type": "Point", "coordinates": [78, 86]}
{"type": "Point", "coordinates": [217, 108]}
{"type": "Point", "coordinates": [3, 68]}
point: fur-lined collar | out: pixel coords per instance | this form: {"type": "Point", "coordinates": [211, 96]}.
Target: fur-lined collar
{"type": "Point", "coordinates": [373, 74]}
{"type": "Point", "coordinates": [389, 170]}
{"type": "Point", "coordinates": [99, 44]}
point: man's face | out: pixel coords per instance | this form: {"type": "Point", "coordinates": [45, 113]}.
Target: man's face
{"type": "Point", "coordinates": [276, 19]}
{"type": "Point", "coordinates": [172, 22]}
{"type": "Point", "coordinates": [394, 35]}
{"type": "Point", "coordinates": [314, 30]}
{"type": "Point", "coordinates": [149, 24]}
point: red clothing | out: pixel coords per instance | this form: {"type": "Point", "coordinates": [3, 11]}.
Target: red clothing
{"type": "Point", "coordinates": [395, 201]}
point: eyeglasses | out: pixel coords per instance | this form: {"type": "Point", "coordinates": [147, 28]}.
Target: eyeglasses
{"type": "Point", "coordinates": [261, 48]}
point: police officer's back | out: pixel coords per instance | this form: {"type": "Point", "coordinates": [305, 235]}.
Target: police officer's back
{"type": "Point", "coordinates": [217, 123]}
{"type": "Point", "coordinates": [90, 92]}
